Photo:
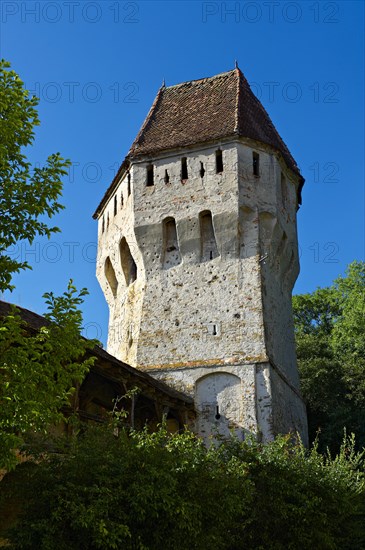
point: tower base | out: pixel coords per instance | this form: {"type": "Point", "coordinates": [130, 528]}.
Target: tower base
{"type": "Point", "coordinates": [254, 398]}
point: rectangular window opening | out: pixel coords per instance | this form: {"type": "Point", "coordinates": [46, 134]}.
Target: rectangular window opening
{"type": "Point", "coordinates": [150, 180]}
{"type": "Point", "coordinates": [129, 184]}
{"type": "Point", "coordinates": [115, 205]}
{"type": "Point", "coordinates": [184, 169]}
{"type": "Point", "coordinates": [218, 161]}
{"type": "Point", "coordinates": [255, 164]}
{"type": "Point", "coordinates": [167, 177]}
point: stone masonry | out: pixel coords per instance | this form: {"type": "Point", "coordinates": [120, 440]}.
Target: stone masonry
{"type": "Point", "coordinates": [198, 255]}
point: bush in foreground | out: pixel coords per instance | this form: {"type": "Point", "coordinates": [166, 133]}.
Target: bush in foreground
{"type": "Point", "coordinates": [161, 491]}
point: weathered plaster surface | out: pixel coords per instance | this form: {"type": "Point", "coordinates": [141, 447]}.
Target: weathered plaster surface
{"type": "Point", "coordinates": [216, 259]}
{"type": "Point", "coordinates": [230, 388]}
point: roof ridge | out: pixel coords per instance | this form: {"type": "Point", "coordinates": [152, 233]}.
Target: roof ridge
{"type": "Point", "coordinates": [285, 152]}
{"type": "Point", "coordinates": [204, 79]}
{"type": "Point", "coordinates": [237, 113]}
{"type": "Point", "coordinates": [12, 304]}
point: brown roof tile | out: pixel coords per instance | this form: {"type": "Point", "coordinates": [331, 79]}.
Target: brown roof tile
{"type": "Point", "coordinates": [192, 112]}
{"type": "Point", "coordinates": [200, 111]}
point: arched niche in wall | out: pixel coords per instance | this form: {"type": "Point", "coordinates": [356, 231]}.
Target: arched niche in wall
{"type": "Point", "coordinates": [218, 401]}
{"type": "Point", "coordinates": [127, 262]}
{"type": "Point", "coordinates": [291, 272]}
{"type": "Point", "coordinates": [170, 248]}
{"type": "Point", "coordinates": [274, 241]}
{"type": "Point", "coordinates": [248, 232]}
{"type": "Point", "coordinates": [110, 276]}
{"type": "Point", "coordinates": [268, 227]}
{"type": "Point", "coordinates": [208, 244]}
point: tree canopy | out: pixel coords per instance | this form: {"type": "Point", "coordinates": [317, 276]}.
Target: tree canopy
{"type": "Point", "coordinates": [150, 491]}
{"type": "Point", "coordinates": [330, 329]}
{"type": "Point", "coordinates": [28, 195]}
{"type": "Point", "coordinates": [37, 371]}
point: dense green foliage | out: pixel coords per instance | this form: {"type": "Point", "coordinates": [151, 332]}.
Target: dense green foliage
{"type": "Point", "coordinates": [153, 491]}
{"type": "Point", "coordinates": [330, 336]}
{"type": "Point", "coordinates": [37, 370]}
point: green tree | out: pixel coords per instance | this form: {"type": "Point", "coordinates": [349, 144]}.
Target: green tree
{"type": "Point", "coordinates": [330, 328]}
{"type": "Point", "coordinates": [37, 371]}
{"type": "Point", "coordinates": [348, 337]}
{"type": "Point", "coordinates": [151, 491]}
{"type": "Point", "coordinates": [28, 195]}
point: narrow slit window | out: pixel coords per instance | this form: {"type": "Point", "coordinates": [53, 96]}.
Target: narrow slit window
{"type": "Point", "coordinates": [184, 169]}
{"type": "Point", "coordinates": [107, 221]}
{"type": "Point", "coordinates": [103, 225]}
{"type": "Point", "coordinates": [167, 177]}
{"type": "Point", "coordinates": [115, 205]}
{"type": "Point", "coordinates": [129, 184]}
{"type": "Point", "coordinates": [255, 164]}
{"type": "Point", "coordinates": [130, 335]}
{"type": "Point", "coordinates": [284, 191]}
{"type": "Point", "coordinates": [217, 414]}
{"type": "Point", "coordinates": [202, 170]}
{"type": "Point", "coordinates": [121, 200]}
{"type": "Point", "coordinates": [218, 161]}
{"type": "Point", "coordinates": [150, 179]}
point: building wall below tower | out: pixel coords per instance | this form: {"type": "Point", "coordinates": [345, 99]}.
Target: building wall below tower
{"type": "Point", "coordinates": [249, 399]}
{"type": "Point", "coordinates": [288, 411]}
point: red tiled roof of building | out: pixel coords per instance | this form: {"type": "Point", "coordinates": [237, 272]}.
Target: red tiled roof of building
{"type": "Point", "coordinates": [201, 111]}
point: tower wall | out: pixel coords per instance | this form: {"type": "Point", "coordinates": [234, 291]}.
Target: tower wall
{"type": "Point", "coordinates": [213, 257]}
{"type": "Point", "coordinates": [199, 310]}
{"type": "Point", "coordinates": [272, 196]}
{"type": "Point", "coordinates": [125, 304]}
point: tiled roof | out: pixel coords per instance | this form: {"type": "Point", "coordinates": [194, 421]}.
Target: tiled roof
{"type": "Point", "coordinates": [205, 110]}
{"type": "Point", "coordinates": [201, 111]}
{"type": "Point", "coordinates": [191, 112]}
{"type": "Point", "coordinates": [33, 320]}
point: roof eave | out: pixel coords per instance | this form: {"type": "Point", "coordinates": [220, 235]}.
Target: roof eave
{"type": "Point", "coordinates": [126, 163]}
{"type": "Point", "coordinates": [124, 167]}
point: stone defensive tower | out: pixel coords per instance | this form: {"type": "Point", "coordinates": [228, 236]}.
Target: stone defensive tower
{"type": "Point", "coordinates": [198, 255]}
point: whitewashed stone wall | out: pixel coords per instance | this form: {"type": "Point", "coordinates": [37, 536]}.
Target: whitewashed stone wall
{"type": "Point", "coordinates": [201, 315]}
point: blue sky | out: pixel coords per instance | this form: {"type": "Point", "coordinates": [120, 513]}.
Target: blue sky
{"type": "Point", "coordinates": [97, 66]}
